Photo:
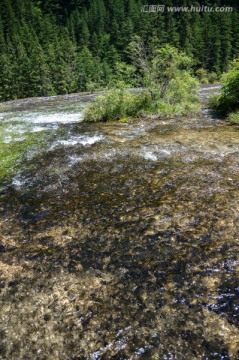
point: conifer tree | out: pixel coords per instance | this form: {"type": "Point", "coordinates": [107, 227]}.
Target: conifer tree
{"type": "Point", "coordinates": [60, 46]}
{"type": "Point", "coordinates": [197, 39]}
{"type": "Point", "coordinates": [40, 72]}
{"type": "Point", "coordinates": [86, 68]}
{"type": "Point", "coordinates": [235, 34]}
{"type": "Point", "coordinates": [171, 30]}
{"type": "Point", "coordinates": [6, 78]}
{"type": "Point", "coordinates": [23, 73]}
{"type": "Point", "coordinates": [2, 37]}
{"type": "Point", "coordinates": [8, 71]}
{"type": "Point", "coordinates": [226, 40]}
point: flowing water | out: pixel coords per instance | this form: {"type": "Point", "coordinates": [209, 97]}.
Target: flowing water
{"type": "Point", "coordinates": [118, 241]}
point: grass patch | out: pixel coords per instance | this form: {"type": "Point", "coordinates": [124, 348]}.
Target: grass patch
{"type": "Point", "coordinates": [117, 104]}
{"type": "Point", "coordinates": [233, 118]}
{"type": "Point", "coordinates": [121, 105]}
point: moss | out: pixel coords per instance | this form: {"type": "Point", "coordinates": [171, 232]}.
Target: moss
{"type": "Point", "coordinates": [124, 120]}
{"type": "Point", "coordinates": [14, 148]}
{"type": "Point", "coordinates": [4, 108]}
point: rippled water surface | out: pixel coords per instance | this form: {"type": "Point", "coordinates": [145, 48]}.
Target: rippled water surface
{"type": "Point", "coordinates": [118, 241]}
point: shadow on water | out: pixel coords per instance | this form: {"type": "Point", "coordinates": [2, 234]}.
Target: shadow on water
{"type": "Point", "coordinates": [120, 241]}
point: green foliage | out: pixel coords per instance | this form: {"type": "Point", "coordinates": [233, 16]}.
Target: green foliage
{"type": "Point", "coordinates": [206, 77]}
{"type": "Point", "coordinates": [213, 78]}
{"type": "Point", "coordinates": [169, 88]}
{"type": "Point", "coordinates": [213, 101]}
{"type": "Point", "coordinates": [202, 75]}
{"type": "Point", "coordinates": [117, 104]}
{"type": "Point", "coordinates": [234, 118]}
{"type": "Point", "coordinates": [125, 73]}
{"type": "Point", "coordinates": [58, 46]}
{"type": "Point", "coordinates": [14, 147]}
{"type": "Point", "coordinates": [165, 73]}
{"type": "Point", "coordinates": [89, 70]}
{"type": "Point", "coordinates": [228, 101]}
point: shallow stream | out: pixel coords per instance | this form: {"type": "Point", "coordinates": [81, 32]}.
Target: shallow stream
{"type": "Point", "coordinates": [118, 241]}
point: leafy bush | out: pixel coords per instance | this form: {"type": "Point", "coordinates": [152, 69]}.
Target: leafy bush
{"type": "Point", "coordinates": [234, 118]}
{"type": "Point", "coordinates": [168, 87]}
{"type": "Point", "coordinates": [213, 78]}
{"type": "Point", "coordinates": [115, 105]}
{"type": "Point", "coordinates": [202, 75]}
{"type": "Point", "coordinates": [228, 101]}
{"type": "Point", "coordinates": [206, 77]}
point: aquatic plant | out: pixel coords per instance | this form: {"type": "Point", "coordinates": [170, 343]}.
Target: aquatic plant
{"type": "Point", "coordinates": [14, 149]}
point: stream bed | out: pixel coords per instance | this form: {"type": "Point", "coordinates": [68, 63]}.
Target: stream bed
{"type": "Point", "coordinates": [118, 240]}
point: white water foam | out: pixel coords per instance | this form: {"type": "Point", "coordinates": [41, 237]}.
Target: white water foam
{"type": "Point", "coordinates": [19, 130]}
{"type": "Point", "coordinates": [83, 140]}
{"type": "Point", "coordinates": [7, 140]}
{"type": "Point", "coordinates": [166, 152]}
{"type": "Point", "coordinates": [38, 128]}
{"type": "Point", "coordinates": [63, 118]}
{"type": "Point", "coordinates": [18, 182]}
{"type": "Point", "coordinates": [155, 154]}
{"type": "Point", "coordinates": [74, 159]}
{"type": "Point", "coordinates": [150, 156]}
{"type": "Point", "coordinates": [10, 139]}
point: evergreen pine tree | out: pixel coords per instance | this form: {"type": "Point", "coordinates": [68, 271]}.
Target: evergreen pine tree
{"type": "Point", "coordinates": [59, 46]}
{"type": "Point", "coordinates": [226, 40]}
{"type": "Point", "coordinates": [171, 30]}
{"type": "Point", "coordinates": [40, 72]}
{"type": "Point", "coordinates": [197, 39]}
{"type": "Point", "coordinates": [235, 34]}
{"type": "Point", "coordinates": [86, 69]}
{"type": "Point", "coordinates": [8, 70]}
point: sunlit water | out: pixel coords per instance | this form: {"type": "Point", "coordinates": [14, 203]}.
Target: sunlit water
{"type": "Point", "coordinates": [118, 241]}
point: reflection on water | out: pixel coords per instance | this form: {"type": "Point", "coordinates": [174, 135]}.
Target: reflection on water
{"type": "Point", "coordinates": [118, 241]}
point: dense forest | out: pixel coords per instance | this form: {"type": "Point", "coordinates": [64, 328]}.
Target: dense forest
{"type": "Point", "coordinates": [50, 47]}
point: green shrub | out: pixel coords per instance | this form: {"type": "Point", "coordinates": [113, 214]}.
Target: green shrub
{"type": "Point", "coordinates": [213, 78]}
{"type": "Point", "coordinates": [213, 101]}
{"type": "Point", "coordinates": [115, 105]}
{"type": "Point", "coordinates": [202, 75]}
{"type": "Point", "coordinates": [206, 77]}
{"type": "Point", "coordinates": [228, 100]}
{"type": "Point", "coordinates": [234, 118]}
{"type": "Point", "coordinates": [168, 88]}
{"type": "Point", "coordinates": [118, 104]}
